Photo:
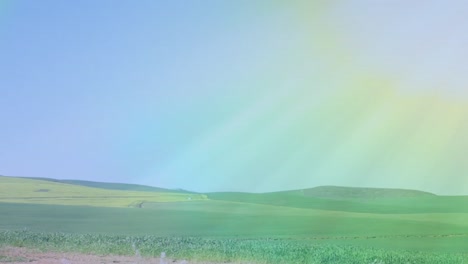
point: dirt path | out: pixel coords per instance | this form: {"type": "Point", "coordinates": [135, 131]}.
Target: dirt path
{"type": "Point", "coordinates": [31, 256]}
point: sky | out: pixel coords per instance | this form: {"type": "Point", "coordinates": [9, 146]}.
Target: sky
{"type": "Point", "coordinates": [241, 95]}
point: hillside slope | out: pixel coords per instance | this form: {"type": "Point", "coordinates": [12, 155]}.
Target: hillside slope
{"type": "Point", "coordinates": [357, 193]}
{"type": "Point", "coordinates": [388, 205]}
{"type": "Point", "coordinates": [112, 185]}
{"type": "Point", "coordinates": [22, 190]}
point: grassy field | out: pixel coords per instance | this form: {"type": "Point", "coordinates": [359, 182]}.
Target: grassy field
{"type": "Point", "coordinates": [23, 190]}
{"type": "Point", "coordinates": [221, 250]}
{"type": "Point", "coordinates": [284, 227]}
{"type": "Point", "coordinates": [111, 186]}
{"type": "Point", "coordinates": [357, 193]}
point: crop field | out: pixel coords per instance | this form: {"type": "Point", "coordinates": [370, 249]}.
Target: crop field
{"type": "Point", "coordinates": [20, 190]}
{"type": "Point", "coordinates": [283, 227]}
{"type": "Point", "coordinates": [220, 250]}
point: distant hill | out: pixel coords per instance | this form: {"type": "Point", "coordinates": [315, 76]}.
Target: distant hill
{"type": "Point", "coordinates": [123, 186]}
{"type": "Point", "coordinates": [360, 200]}
{"type": "Point", "coordinates": [40, 191]}
{"type": "Point", "coordinates": [358, 193]}
{"type": "Point", "coordinates": [324, 192]}
{"type": "Point", "coordinates": [325, 198]}
{"type": "Point", "coordinates": [112, 185]}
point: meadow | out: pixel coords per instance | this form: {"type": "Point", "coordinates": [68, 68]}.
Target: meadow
{"type": "Point", "coordinates": [284, 227]}
{"type": "Point", "coordinates": [46, 191]}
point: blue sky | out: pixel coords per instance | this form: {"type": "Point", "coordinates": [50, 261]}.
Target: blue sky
{"type": "Point", "coordinates": [240, 95]}
{"type": "Point", "coordinates": [90, 88]}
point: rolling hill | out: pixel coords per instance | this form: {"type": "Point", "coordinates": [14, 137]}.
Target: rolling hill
{"type": "Point", "coordinates": [112, 185]}
{"type": "Point", "coordinates": [399, 202]}
{"type": "Point", "coordinates": [356, 193]}
{"type": "Point", "coordinates": [39, 191]}
{"type": "Point", "coordinates": [325, 198]}
{"type": "Point", "coordinates": [385, 219]}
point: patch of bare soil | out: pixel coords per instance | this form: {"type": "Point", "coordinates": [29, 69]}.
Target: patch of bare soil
{"type": "Point", "coordinates": [30, 256]}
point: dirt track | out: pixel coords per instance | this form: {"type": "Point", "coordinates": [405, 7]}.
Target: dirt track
{"type": "Point", "coordinates": [30, 256]}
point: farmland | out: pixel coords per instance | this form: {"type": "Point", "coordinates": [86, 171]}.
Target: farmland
{"type": "Point", "coordinates": [283, 227]}
{"type": "Point", "coordinates": [21, 190]}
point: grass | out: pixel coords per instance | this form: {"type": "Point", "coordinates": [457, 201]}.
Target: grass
{"type": "Point", "coordinates": [284, 227]}
{"type": "Point", "coordinates": [221, 250]}
{"type": "Point", "coordinates": [22, 190]}
{"type": "Point", "coordinates": [111, 186]}
{"type": "Point", "coordinates": [400, 205]}
{"type": "Point", "coordinates": [209, 219]}
{"type": "Point", "coordinates": [356, 193]}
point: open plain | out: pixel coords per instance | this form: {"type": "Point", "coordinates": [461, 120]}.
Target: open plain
{"type": "Point", "coordinates": [319, 225]}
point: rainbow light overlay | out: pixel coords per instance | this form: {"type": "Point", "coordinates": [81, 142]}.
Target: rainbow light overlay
{"type": "Point", "coordinates": [236, 95]}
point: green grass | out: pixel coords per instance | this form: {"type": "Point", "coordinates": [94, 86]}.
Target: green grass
{"type": "Point", "coordinates": [111, 185]}
{"type": "Point", "coordinates": [356, 193]}
{"type": "Point", "coordinates": [282, 227]}
{"type": "Point", "coordinates": [209, 219]}
{"type": "Point", "coordinates": [220, 250]}
{"type": "Point", "coordinates": [403, 205]}
{"type": "Point", "coordinates": [23, 190]}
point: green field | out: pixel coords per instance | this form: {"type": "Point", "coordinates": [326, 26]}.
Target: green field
{"type": "Point", "coordinates": [349, 226]}
{"type": "Point", "coordinates": [24, 190]}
